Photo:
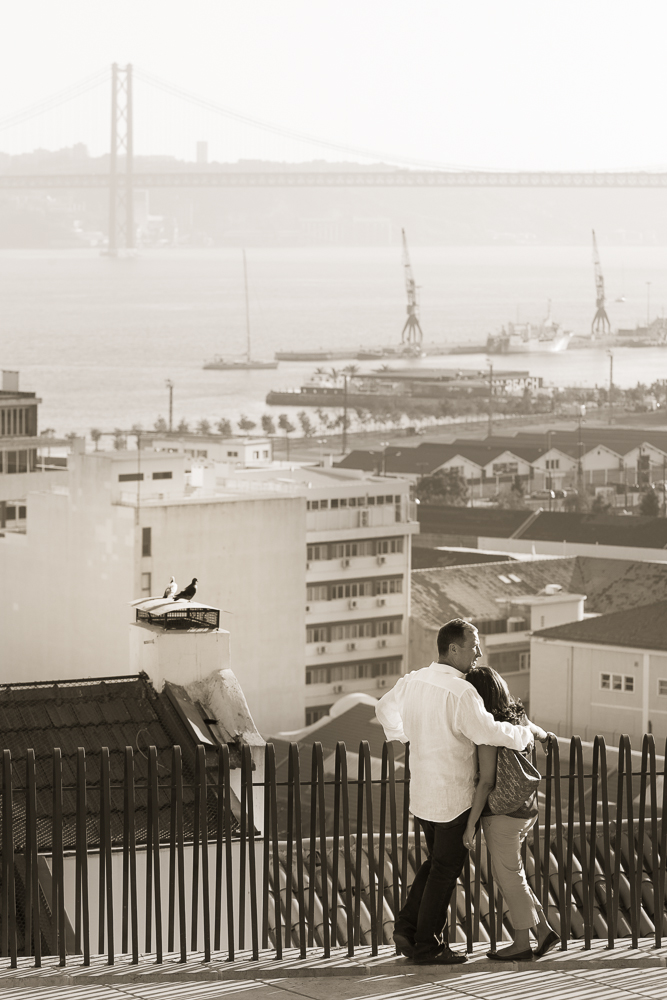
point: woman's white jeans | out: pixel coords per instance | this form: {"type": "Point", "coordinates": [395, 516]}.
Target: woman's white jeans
{"type": "Point", "coordinates": [504, 836]}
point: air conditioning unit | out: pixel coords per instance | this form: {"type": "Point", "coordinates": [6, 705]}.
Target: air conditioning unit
{"type": "Point", "coordinates": [382, 643]}
{"type": "Point", "coordinates": [307, 607]}
{"type": "Point", "coordinates": [351, 604]}
{"type": "Point", "coordinates": [344, 563]}
{"type": "Point", "coordinates": [382, 682]}
{"type": "Point", "coordinates": [321, 649]}
{"type": "Point", "coordinates": [338, 689]}
{"type": "Point", "coordinates": [307, 565]}
{"type": "Point", "coordinates": [381, 602]}
{"type": "Point", "coordinates": [381, 560]}
{"type": "Point", "coordinates": [351, 646]}
{"type": "Point", "coordinates": [363, 518]}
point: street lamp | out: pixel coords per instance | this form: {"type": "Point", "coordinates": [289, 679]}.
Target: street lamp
{"type": "Point", "coordinates": [384, 445]}
{"type": "Point", "coordinates": [170, 385]}
{"type": "Point", "coordinates": [490, 432]}
{"type": "Point", "coordinates": [611, 384]}
{"type": "Point", "coordinates": [648, 305]}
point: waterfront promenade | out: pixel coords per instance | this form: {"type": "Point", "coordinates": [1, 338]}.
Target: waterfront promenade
{"type": "Point", "coordinates": [620, 974]}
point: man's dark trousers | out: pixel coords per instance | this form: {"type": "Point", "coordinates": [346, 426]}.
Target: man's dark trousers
{"type": "Point", "coordinates": [424, 916]}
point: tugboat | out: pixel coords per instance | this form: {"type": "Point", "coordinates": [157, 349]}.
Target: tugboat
{"type": "Point", "coordinates": [235, 364]}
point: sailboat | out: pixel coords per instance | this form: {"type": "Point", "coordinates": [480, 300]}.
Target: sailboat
{"type": "Point", "coordinates": [235, 364]}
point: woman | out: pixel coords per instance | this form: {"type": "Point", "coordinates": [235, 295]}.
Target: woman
{"type": "Point", "coordinates": [505, 834]}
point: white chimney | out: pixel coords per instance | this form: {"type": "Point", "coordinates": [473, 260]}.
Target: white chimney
{"type": "Point", "coordinates": [10, 381]}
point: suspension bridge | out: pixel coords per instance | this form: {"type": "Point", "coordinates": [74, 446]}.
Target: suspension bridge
{"type": "Point", "coordinates": [122, 172]}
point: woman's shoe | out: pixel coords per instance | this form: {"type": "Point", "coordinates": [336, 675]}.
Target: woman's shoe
{"type": "Point", "coordinates": [519, 956]}
{"type": "Point", "coordinates": [550, 941]}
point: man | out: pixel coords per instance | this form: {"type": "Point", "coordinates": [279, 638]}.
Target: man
{"type": "Point", "coordinates": [443, 718]}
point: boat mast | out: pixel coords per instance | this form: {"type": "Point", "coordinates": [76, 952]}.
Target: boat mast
{"type": "Point", "coordinates": [247, 308]}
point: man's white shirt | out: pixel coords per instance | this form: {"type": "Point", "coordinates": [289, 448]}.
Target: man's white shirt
{"type": "Point", "coordinates": [444, 719]}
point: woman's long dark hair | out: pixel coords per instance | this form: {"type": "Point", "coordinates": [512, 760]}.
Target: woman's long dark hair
{"type": "Point", "coordinates": [495, 695]}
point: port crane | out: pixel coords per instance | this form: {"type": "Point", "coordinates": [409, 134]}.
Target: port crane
{"type": "Point", "coordinates": [412, 331]}
{"type": "Point", "coordinates": [600, 324]}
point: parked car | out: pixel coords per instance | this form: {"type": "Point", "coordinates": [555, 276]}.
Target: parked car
{"type": "Point", "coordinates": [543, 495]}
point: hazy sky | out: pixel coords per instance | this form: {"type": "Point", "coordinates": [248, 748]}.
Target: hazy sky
{"type": "Point", "coordinates": [487, 83]}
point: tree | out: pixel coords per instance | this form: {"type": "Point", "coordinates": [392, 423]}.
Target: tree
{"type": "Point", "coordinates": [600, 505]}
{"type": "Point", "coordinates": [577, 503]}
{"type": "Point", "coordinates": [183, 426]}
{"type": "Point", "coordinates": [447, 486]}
{"type": "Point", "coordinates": [160, 425]}
{"type": "Point", "coordinates": [288, 427]}
{"type": "Point", "coordinates": [307, 425]}
{"type": "Point", "coordinates": [203, 427]}
{"type": "Point", "coordinates": [512, 500]}
{"type": "Point", "coordinates": [649, 505]}
{"type": "Point", "coordinates": [96, 434]}
{"type": "Point", "coordinates": [224, 427]}
{"type": "Point", "coordinates": [119, 439]}
{"type": "Point", "coordinates": [246, 424]}
{"type": "Point", "coordinates": [268, 425]}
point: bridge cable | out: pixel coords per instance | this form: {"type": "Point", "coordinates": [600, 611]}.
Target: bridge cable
{"type": "Point", "coordinates": [50, 103]}
{"type": "Point", "coordinates": [210, 105]}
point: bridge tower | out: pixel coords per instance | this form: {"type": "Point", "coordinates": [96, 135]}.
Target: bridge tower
{"type": "Point", "coordinates": [121, 216]}
{"type": "Point", "coordinates": [411, 334]}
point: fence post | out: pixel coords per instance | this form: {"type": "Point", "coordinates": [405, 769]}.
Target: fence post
{"type": "Point", "coordinates": [295, 836]}
{"type": "Point", "coordinates": [155, 812]}
{"type": "Point", "coordinates": [32, 925]}
{"type": "Point", "coordinates": [82, 929]}
{"type": "Point", "coordinates": [203, 803]}
{"type": "Point", "coordinates": [129, 859]}
{"type": "Point", "coordinates": [342, 812]}
{"type": "Point", "coordinates": [58, 894]}
{"type": "Point", "coordinates": [600, 771]}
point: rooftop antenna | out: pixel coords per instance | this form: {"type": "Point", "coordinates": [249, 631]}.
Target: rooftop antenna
{"type": "Point", "coordinates": [412, 331]}
{"type": "Point", "coordinates": [600, 324]}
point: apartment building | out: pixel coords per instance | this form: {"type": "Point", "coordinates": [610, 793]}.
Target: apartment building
{"type": "Point", "coordinates": [357, 595]}
{"type": "Point", "coordinates": [123, 524]}
{"type": "Point", "coordinates": [26, 460]}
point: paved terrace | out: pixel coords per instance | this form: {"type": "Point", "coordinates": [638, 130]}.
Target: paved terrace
{"type": "Point", "coordinates": [619, 974]}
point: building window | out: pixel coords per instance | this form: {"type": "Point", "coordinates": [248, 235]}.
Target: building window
{"type": "Point", "coordinates": [662, 685]}
{"type": "Point", "coordinates": [131, 477]}
{"type": "Point", "coordinates": [317, 592]}
{"type": "Point", "coordinates": [255, 454]}
{"type": "Point", "coordinates": [265, 453]}
{"type": "Point", "coordinates": [617, 682]}
{"type": "Point", "coordinates": [524, 661]}
{"type": "Point", "coordinates": [316, 713]}
{"type": "Point", "coordinates": [23, 461]}
{"type": "Point", "coordinates": [146, 547]}
{"type": "Point", "coordinates": [11, 462]}
{"type": "Point", "coordinates": [335, 672]}
{"type": "Point", "coordinates": [145, 583]}
{"type": "Point", "coordinates": [162, 475]}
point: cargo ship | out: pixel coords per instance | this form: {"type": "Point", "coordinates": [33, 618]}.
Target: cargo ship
{"type": "Point", "coordinates": [547, 337]}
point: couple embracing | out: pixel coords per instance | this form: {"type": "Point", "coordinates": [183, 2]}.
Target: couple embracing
{"type": "Point", "coordinates": [455, 717]}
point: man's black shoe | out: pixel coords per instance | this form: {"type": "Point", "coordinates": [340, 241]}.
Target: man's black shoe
{"type": "Point", "coordinates": [404, 945]}
{"type": "Point", "coordinates": [444, 957]}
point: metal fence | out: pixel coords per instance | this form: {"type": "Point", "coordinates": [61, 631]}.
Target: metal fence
{"type": "Point", "coordinates": [324, 862]}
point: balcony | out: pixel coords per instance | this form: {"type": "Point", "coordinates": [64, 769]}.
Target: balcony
{"type": "Point", "coordinates": [183, 880]}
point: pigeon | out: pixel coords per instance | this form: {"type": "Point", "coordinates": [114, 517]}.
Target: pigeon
{"type": "Point", "coordinates": [188, 593]}
{"type": "Point", "coordinates": [172, 587]}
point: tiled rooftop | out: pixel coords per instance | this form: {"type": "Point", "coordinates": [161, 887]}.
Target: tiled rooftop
{"type": "Point", "coordinates": [611, 585]}
{"type": "Point", "coordinates": [637, 628]}
{"type": "Point", "coordinates": [553, 526]}
{"type": "Point", "coordinates": [114, 712]}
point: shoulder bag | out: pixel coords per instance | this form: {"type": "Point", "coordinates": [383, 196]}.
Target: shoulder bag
{"type": "Point", "coordinates": [516, 780]}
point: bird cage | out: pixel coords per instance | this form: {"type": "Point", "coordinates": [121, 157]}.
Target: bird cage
{"type": "Point", "coordinates": [182, 615]}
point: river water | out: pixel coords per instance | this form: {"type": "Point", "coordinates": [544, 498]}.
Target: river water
{"type": "Point", "coordinates": [97, 337]}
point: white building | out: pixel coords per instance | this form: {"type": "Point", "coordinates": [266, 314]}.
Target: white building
{"type": "Point", "coordinates": [124, 524]}
{"type": "Point", "coordinates": [357, 593]}
{"type": "Point", "coordinates": [606, 676]}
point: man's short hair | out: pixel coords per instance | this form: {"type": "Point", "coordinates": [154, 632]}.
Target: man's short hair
{"type": "Point", "coordinates": [453, 631]}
